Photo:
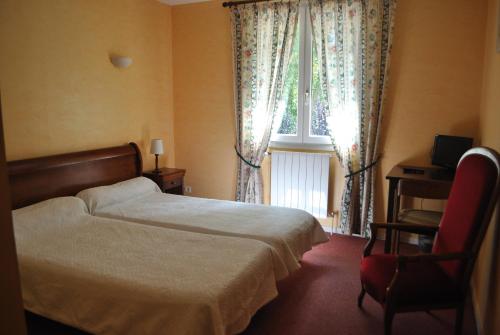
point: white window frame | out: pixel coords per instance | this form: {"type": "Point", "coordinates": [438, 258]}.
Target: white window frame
{"type": "Point", "coordinates": [303, 138]}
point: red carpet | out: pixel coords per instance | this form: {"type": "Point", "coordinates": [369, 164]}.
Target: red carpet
{"type": "Point", "coordinates": [320, 299]}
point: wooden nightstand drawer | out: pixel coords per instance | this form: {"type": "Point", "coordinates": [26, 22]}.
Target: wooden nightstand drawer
{"type": "Point", "coordinates": [168, 180]}
{"type": "Point", "coordinates": [168, 184]}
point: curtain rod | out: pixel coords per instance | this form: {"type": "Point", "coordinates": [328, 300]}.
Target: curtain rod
{"type": "Point", "coordinates": [236, 3]}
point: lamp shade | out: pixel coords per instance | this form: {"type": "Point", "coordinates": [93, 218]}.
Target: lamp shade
{"type": "Point", "coordinates": [156, 146]}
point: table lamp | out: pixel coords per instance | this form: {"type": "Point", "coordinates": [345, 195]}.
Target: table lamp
{"type": "Point", "coordinates": [156, 149]}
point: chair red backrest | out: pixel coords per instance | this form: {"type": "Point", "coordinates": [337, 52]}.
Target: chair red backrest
{"type": "Point", "coordinates": [474, 186]}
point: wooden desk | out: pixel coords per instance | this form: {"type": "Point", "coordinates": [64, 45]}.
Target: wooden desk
{"type": "Point", "coordinates": [425, 174]}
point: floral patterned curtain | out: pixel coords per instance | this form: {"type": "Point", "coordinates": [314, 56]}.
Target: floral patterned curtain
{"type": "Point", "coordinates": [353, 40]}
{"type": "Point", "coordinates": [262, 41]}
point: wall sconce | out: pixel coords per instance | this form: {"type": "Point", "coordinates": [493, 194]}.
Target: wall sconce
{"type": "Point", "coordinates": [120, 62]}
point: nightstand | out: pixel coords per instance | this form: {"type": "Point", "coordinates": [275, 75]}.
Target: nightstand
{"type": "Point", "coordinates": [168, 179]}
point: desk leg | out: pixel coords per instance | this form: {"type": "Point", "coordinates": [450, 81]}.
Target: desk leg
{"type": "Point", "coordinates": [393, 183]}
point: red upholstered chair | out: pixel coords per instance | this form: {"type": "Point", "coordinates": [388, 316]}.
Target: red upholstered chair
{"type": "Point", "coordinates": [439, 280]}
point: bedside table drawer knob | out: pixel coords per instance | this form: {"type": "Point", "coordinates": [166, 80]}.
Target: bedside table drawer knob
{"type": "Point", "coordinates": [172, 183]}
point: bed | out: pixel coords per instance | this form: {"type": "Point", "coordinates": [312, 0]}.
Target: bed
{"type": "Point", "coordinates": [107, 276]}
{"type": "Point", "coordinates": [291, 232]}
{"type": "Point", "coordinates": [110, 277]}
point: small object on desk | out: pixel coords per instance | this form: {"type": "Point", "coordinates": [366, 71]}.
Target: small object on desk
{"type": "Point", "coordinates": [169, 180]}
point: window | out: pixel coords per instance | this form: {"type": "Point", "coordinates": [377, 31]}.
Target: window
{"type": "Point", "coordinates": [303, 105]}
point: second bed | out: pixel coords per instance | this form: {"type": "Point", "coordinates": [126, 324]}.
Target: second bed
{"type": "Point", "coordinates": [291, 232]}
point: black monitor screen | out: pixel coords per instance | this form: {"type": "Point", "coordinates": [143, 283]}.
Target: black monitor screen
{"type": "Point", "coordinates": [448, 150]}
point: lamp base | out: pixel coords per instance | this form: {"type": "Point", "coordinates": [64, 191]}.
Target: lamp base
{"type": "Point", "coordinates": [156, 170]}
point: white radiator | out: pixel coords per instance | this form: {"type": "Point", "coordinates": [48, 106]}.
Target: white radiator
{"type": "Point", "coordinates": [300, 180]}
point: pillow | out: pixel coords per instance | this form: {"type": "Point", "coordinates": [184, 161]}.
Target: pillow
{"type": "Point", "coordinates": [103, 196]}
{"type": "Point", "coordinates": [37, 226]}
{"type": "Point", "coordinates": [52, 210]}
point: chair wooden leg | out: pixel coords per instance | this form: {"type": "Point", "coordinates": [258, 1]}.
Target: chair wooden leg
{"type": "Point", "coordinates": [361, 296]}
{"type": "Point", "coordinates": [459, 320]}
{"type": "Point", "coordinates": [395, 243]}
{"type": "Point", "coordinates": [388, 316]}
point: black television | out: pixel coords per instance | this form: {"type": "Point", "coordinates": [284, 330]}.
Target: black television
{"type": "Point", "coordinates": [447, 150]}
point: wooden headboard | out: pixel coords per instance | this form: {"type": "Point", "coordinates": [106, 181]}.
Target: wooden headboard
{"type": "Point", "coordinates": [37, 179]}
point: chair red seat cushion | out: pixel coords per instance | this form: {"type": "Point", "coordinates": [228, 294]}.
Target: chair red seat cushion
{"type": "Point", "coordinates": [419, 283]}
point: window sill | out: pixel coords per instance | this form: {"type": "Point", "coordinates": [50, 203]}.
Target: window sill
{"type": "Point", "coordinates": [306, 146]}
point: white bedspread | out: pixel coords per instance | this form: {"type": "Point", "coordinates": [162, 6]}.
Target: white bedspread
{"type": "Point", "coordinates": [110, 277]}
{"type": "Point", "coordinates": [291, 232]}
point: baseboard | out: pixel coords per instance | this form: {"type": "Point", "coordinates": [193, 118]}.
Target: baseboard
{"type": "Point", "coordinates": [476, 309]}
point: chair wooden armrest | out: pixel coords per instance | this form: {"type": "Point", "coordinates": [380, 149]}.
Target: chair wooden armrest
{"type": "Point", "coordinates": [423, 229]}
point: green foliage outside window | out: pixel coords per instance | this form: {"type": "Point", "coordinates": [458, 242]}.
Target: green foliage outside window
{"type": "Point", "coordinates": [291, 90]}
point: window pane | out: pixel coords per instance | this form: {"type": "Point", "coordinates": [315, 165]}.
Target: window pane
{"type": "Point", "coordinates": [319, 105]}
{"type": "Point", "coordinates": [290, 92]}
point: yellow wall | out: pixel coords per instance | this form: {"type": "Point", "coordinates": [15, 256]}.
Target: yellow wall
{"type": "Point", "coordinates": [490, 103]}
{"type": "Point", "coordinates": [203, 98]}
{"type": "Point", "coordinates": [435, 80]}
{"type": "Point", "coordinates": [486, 279]}
{"type": "Point", "coordinates": [60, 92]}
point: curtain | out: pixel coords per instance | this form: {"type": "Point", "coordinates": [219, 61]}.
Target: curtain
{"type": "Point", "coordinates": [353, 42]}
{"type": "Point", "coordinates": [262, 42]}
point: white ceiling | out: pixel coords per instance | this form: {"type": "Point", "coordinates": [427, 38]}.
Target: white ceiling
{"type": "Point", "coordinates": [180, 2]}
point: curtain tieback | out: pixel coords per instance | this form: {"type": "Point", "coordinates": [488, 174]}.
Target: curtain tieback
{"type": "Point", "coordinates": [244, 160]}
{"type": "Point", "coordinates": [372, 164]}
